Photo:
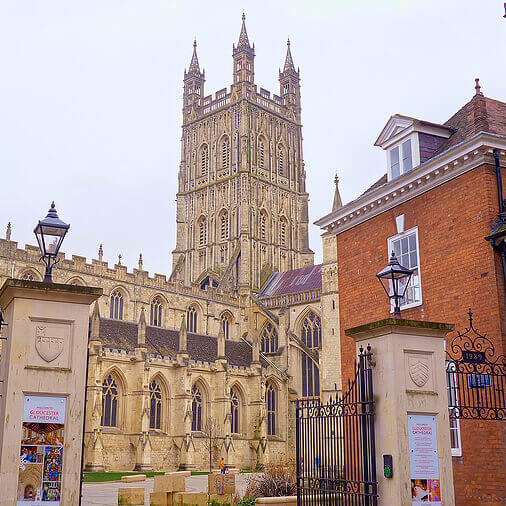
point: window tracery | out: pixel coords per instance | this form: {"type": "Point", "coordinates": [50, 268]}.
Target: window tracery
{"type": "Point", "coordinates": [311, 337]}
{"type": "Point", "coordinates": [110, 396]}
{"type": "Point", "coordinates": [155, 405]}
{"type": "Point", "coordinates": [191, 319]}
{"type": "Point", "coordinates": [116, 305]}
{"type": "Point", "coordinates": [269, 343]}
{"type": "Point", "coordinates": [271, 400]}
{"type": "Point", "coordinates": [196, 409]}
{"type": "Point", "coordinates": [235, 411]}
{"type": "Point", "coordinates": [156, 312]}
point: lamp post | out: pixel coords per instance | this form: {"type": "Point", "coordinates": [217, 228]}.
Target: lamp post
{"type": "Point", "coordinates": [394, 279]}
{"type": "Point", "coordinates": [50, 233]}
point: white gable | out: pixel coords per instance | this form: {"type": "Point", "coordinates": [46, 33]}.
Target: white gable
{"type": "Point", "coordinates": [395, 126]}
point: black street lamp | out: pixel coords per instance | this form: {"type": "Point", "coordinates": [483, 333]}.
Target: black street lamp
{"type": "Point", "coordinates": [395, 280]}
{"type": "Point", "coordinates": [50, 233]}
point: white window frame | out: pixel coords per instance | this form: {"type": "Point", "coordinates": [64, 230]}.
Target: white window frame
{"type": "Point", "coordinates": [415, 154]}
{"type": "Point", "coordinates": [456, 452]}
{"type": "Point", "coordinates": [390, 242]}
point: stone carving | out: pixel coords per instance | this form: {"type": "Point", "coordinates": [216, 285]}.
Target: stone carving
{"type": "Point", "coordinates": [48, 347]}
{"type": "Point", "coordinates": [419, 372]}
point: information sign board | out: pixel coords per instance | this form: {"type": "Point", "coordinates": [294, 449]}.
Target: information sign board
{"type": "Point", "coordinates": [41, 452]}
{"type": "Point", "coordinates": [423, 459]}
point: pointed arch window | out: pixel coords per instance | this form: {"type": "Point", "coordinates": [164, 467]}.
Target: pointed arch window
{"type": "Point", "coordinates": [191, 319]}
{"type": "Point", "coordinates": [224, 225]}
{"type": "Point", "coordinates": [225, 320]}
{"type": "Point", "coordinates": [261, 153]}
{"type": "Point", "coordinates": [263, 225]}
{"type": "Point", "coordinates": [271, 401]}
{"type": "Point", "coordinates": [196, 408]}
{"type": "Point", "coordinates": [116, 305]}
{"type": "Point", "coordinates": [202, 232]}
{"type": "Point", "coordinates": [156, 312]}
{"type": "Point", "coordinates": [225, 153]}
{"type": "Point", "coordinates": [269, 339]}
{"type": "Point", "coordinates": [28, 276]}
{"type": "Point", "coordinates": [235, 405]}
{"type": "Point", "coordinates": [110, 396]}
{"type": "Point", "coordinates": [283, 231]}
{"type": "Point", "coordinates": [281, 161]}
{"type": "Point", "coordinates": [204, 161]}
{"type": "Point", "coordinates": [155, 405]}
{"type": "Point", "coordinates": [311, 337]}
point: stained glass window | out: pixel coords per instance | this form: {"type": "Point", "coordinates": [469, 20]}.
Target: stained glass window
{"type": "Point", "coordinates": [196, 409]}
{"type": "Point", "coordinates": [116, 305]}
{"type": "Point", "coordinates": [109, 402]}
{"type": "Point", "coordinates": [155, 405]}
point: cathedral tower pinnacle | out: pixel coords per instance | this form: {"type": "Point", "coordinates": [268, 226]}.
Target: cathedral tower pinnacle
{"type": "Point", "coordinates": [242, 206]}
{"type": "Point", "coordinates": [289, 84]}
{"type": "Point", "coordinates": [193, 84]}
{"type": "Point", "coordinates": [244, 59]}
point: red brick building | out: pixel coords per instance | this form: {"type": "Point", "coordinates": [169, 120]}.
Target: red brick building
{"type": "Point", "coordinates": [435, 207]}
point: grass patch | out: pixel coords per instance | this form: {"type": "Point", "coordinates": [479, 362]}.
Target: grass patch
{"type": "Point", "coordinates": [113, 476]}
{"type": "Point", "coordinates": [116, 476]}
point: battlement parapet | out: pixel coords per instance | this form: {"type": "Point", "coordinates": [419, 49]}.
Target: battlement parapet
{"type": "Point", "coordinates": [77, 265]}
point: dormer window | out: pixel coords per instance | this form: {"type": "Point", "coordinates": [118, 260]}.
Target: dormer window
{"type": "Point", "coordinates": [410, 142]}
{"type": "Point", "coordinates": [401, 159]}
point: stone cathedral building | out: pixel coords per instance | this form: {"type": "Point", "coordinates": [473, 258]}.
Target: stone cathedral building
{"type": "Point", "coordinates": [237, 332]}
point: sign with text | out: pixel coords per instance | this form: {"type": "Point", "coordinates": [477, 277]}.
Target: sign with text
{"type": "Point", "coordinates": [41, 452]}
{"type": "Point", "coordinates": [423, 459]}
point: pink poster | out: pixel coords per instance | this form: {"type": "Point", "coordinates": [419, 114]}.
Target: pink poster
{"type": "Point", "coordinates": [41, 452]}
{"type": "Point", "coordinates": [423, 460]}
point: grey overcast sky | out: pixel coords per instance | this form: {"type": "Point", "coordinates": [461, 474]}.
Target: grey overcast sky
{"type": "Point", "coordinates": [90, 99]}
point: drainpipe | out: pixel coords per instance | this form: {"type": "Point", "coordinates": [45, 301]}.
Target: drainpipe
{"type": "Point", "coordinates": [501, 216]}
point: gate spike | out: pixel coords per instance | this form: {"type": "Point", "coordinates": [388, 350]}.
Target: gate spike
{"type": "Point", "coordinates": [470, 313]}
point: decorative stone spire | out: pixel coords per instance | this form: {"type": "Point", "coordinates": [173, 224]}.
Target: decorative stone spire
{"type": "Point", "coordinates": [289, 66]}
{"type": "Point", "coordinates": [243, 36]}
{"type": "Point", "coordinates": [183, 337]}
{"type": "Point", "coordinates": [221, 343]}
{"type": "Point", "coordinates": [8, 232]}
{"type": "Point", "coordinates": [140, 261]}
{"type": "Point", "coordinates": [194, 64]}
{"type": "Point", "coordinates": [337, 196]}
{"type": "Point", "coordinates": [95, 323]}
{"type": "Point", "coordinates": [119, 259]}
{"type": "Point", "coordinates": [100, 252]}
{"type": "Point", "coordinates": [478, 87]}
{"type": "Point", "coordinates": [141, 329]}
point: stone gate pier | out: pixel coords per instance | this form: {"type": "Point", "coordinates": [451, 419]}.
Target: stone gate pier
{"type": "Point", "coordinates": [412, 429]}
{"type": "Point", "coordinates": [42, 369]}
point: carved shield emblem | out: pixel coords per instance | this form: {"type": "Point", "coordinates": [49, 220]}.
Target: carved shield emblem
{"type": "Point", "coordinates": [48, 347]}
{"type": "Point", "coordinates": [419, 372]}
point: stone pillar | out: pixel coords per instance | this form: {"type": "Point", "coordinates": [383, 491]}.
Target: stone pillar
{"type": "Point", "coordinates": [330, 355]}
{"type": "Point", "coordinates": [408, 379]}
{"type": "Point", "coordinates": [43, 361]}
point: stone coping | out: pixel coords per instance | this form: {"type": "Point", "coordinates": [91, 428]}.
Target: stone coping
{"type": "Point", "coordinates": [400, 325]}
{"type": "Point", "coordinates": [19, 287]}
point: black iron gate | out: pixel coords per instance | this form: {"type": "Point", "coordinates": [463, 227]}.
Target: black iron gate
{"type": "Point", "coordinates": [475, 377]}
{"type": "Point", "coordinates": [336, 460]}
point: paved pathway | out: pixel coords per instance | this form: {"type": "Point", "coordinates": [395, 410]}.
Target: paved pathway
{"type": "Point", "coordinates": [106, 494]}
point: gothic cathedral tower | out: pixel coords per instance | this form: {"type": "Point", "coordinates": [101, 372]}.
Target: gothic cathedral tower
{"type": "Point", "coordinates": [242, 206]}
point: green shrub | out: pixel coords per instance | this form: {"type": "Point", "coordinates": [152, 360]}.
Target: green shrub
{"type": "Point", "coordinates": [247, 501]}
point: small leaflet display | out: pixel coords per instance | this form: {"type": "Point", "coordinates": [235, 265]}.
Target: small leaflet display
{"type": "Point", "coordinates": [41, 452]}
{"type": "Point", "coordinates": [423, 459]}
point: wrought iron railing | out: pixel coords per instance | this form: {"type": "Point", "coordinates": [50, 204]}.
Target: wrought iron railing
{"type": "Point", "coordinates": [335, 444]}
{"type": "Point", "coordinates": [475, 377]}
